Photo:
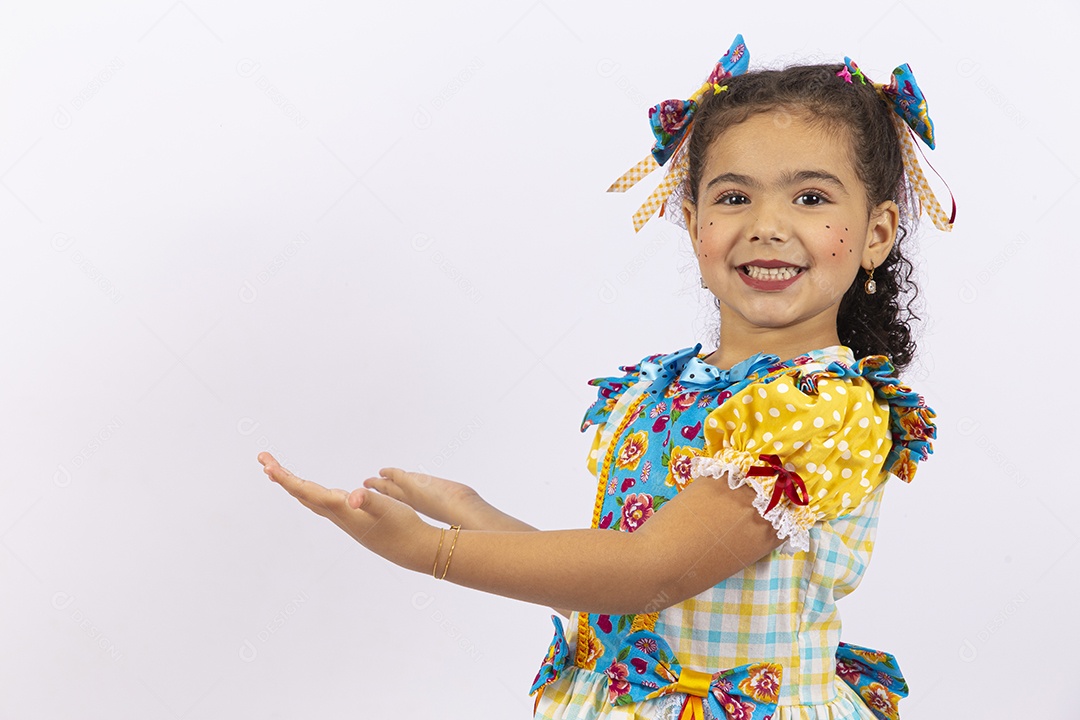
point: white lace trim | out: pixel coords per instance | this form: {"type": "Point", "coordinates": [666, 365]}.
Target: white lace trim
{"type": "Point", "coordinates": [782, 517]}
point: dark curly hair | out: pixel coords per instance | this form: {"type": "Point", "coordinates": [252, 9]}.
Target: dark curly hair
{"type": "Point", "coordinates": [878, 324]}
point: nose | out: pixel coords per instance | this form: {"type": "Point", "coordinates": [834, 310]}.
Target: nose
{"type": "Point", "coordinates": [769, 223]}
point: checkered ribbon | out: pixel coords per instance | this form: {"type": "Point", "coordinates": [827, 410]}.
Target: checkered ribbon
{"type": "Point", "coordinates": [631, 177]}
{"type": "Point", "coordinates": [680, 168]}
{"type": "Point", "coordinates": [927, 200]}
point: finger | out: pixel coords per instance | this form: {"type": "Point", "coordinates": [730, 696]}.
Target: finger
{"type": "Point", "coordinates": [265, 458]}
{"type": "Point", "coordinates": [308, 492]}
{"type": "Point", "coordinates": [369, 501]}
{"type": "Point", "coordinates": [386, 487]}
{"type": "Point", "coordinates": [406, 478]}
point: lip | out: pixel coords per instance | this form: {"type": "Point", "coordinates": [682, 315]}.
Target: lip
{"type": "Point", "coordinates": [767, 285]}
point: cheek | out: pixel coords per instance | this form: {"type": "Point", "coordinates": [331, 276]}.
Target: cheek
{"type": "Point", "coordinates": [836, 259]}
{"type": "Point", "coordinates": [837, 244]}
{"type": "Point", "coordinates": [713, 241]}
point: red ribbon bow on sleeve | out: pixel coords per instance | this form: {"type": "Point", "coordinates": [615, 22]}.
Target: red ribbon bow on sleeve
{"type": "Point", "coordinates": [788, 482]}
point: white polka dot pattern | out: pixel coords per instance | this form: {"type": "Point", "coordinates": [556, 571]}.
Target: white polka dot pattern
{"type": "Point", "coordinates": [833, 439]}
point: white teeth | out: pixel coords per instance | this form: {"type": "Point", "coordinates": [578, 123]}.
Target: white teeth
{"type": "Point", "coordinates": [760, 273]}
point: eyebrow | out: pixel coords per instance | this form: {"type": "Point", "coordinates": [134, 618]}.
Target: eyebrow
{"type": "Point", "coordinates": [791, 178]}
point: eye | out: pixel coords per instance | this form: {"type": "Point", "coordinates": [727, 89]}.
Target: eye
{"type": "Point", "coordinates": [812, 198]}
{"type": "Point", "coordinates": [731, 197]}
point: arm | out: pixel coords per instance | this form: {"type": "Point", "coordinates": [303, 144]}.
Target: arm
{"type": "Point", "coordinates": [703, 535]}
{"type": "Point", "coordinates": [449, 502]}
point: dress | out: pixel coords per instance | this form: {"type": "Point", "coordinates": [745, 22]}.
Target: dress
{"type": "Point", "coordinates": [816, 436]}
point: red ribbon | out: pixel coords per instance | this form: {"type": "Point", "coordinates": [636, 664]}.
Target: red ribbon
{"type": "Point", "coordinates": [788, 482]}
{"type": "Point", "coordinates": [952, 215]}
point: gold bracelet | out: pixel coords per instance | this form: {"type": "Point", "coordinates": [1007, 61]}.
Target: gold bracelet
{"type": "Point", "coordinates": [442, 534]}
{"type": "Point", "coordinates": [457, 531]}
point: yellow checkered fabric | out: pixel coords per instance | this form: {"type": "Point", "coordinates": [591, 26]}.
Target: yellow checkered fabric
{"type": "Point", "coordinates": [675, 176]}
{"type": "Point", "coordinates": [631, 177]}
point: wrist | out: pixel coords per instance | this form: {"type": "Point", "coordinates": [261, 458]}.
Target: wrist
{"type": "Point", "coordinates": [474, 513]}
{"type": "Point", "coordinates": [426, 545]}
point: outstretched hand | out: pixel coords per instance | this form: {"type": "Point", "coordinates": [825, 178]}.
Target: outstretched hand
{"type": "Point", "coordinates": [440, 499]}
{"type": "Point", "coordinates": [385, 526]}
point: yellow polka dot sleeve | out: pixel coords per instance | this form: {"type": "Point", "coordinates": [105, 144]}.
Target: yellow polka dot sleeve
{"type": "Point", "coordinates": [810, 457]}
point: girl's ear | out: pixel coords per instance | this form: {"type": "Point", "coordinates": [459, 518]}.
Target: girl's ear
{"type": "Point", "coordinates": [689, 213]}
{"type": "Point", "coordinates": [881, 234]}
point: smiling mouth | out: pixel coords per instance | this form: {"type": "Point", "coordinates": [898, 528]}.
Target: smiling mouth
{"type": "Point", "coordinates": [760, 273]}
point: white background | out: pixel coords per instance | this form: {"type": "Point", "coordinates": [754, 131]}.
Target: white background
{"type": "Point", "coordinates": [362, 235]}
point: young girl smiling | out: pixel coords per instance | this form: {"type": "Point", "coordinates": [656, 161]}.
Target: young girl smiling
{"type": "Point", "coordinates": [737, 492]}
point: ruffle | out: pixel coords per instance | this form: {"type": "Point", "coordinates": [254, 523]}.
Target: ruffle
{"type": "Point", "coordinates": [609, 389]}
{"type": "Point", "coordinates": [847, 705]}
{"type": "Point", "coordinates": [688, 371]}
{"type": "Point", "coordinates": [910, 419]}
{"type": "Point", "coordinates": [791, 522]}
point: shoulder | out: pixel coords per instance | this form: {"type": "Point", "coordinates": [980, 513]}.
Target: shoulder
{"type": "Point", "coordinates": [829, 396]}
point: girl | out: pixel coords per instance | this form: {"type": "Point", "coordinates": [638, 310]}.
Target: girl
{"type": "Point", "coordinates": [738, 491]}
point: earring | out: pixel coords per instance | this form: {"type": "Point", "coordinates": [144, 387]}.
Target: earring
{"type": "Point", "coordinates": [703, 283]}
{"type": "Point", "coordinates": [870, 286]}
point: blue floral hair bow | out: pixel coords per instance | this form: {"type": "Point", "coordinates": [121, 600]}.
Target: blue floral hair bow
{"type": "Point", "coordinates": [670, 121]}
{"type": "Point", "coordinates": [671, 118]}
{"type": "Point", "coordinates": [909, 104]}
{"type": "Point", "coordinates": [903, 92]}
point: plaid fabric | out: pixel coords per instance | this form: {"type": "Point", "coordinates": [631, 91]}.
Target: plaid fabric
{"type": "Point", "coordinates": [780, 609]}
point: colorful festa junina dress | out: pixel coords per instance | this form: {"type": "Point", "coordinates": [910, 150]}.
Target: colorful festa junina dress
{"type": "Point", "coordinates": [816, 437]}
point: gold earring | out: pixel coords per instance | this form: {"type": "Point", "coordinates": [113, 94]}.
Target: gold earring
{"type": "Point", "coordinates": [870, 286]}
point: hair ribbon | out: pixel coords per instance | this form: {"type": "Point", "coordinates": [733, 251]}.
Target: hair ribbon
{"type": "Point", "coordinates": [908, 102]}
{"type": "Point", "coordinates": [671, 121]}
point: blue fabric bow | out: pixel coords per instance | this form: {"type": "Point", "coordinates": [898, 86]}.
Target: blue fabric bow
{"type": "Point", "coordinates": [905, 95]}
{"type": "Point", "coordinates": [671, 119]}
{"type": "Point", "coordinates": [875, 676]}
{"type": "Point", "coordinates": [691, 372]}
{"type": "Point", "coordinates": [557, 656]}
{"type": "Point", "coordinates": [645, 668]}
{"type": "Point", "coordinates": [700, 375]}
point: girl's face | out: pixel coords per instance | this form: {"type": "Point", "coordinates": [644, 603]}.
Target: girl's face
{"type": "Point", "coordinates": [781, 225]}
